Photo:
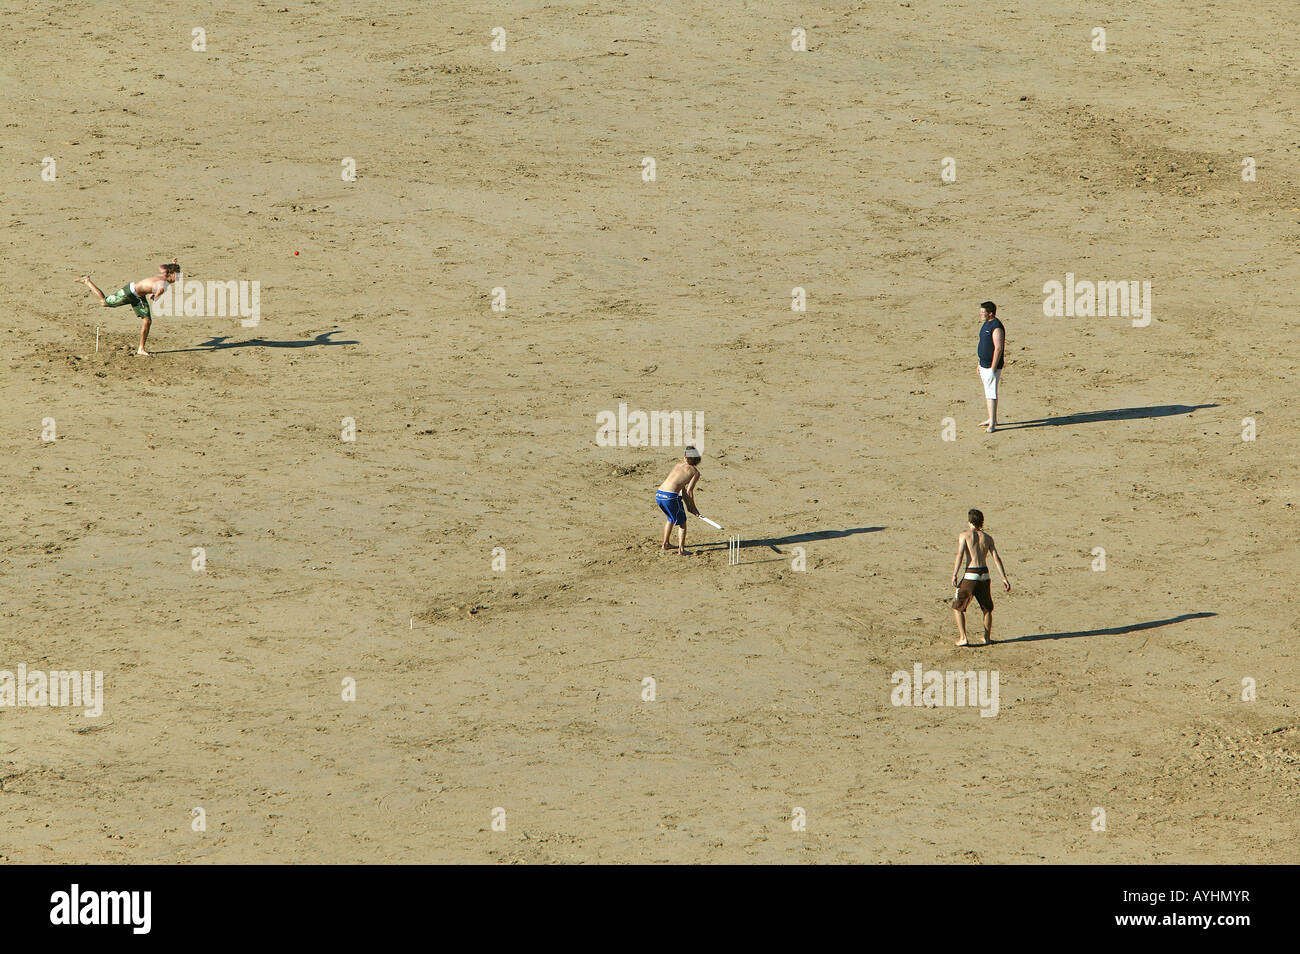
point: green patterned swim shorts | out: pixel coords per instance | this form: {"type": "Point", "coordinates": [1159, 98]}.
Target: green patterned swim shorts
{"type": "Point", "coordinates": [124, 296]}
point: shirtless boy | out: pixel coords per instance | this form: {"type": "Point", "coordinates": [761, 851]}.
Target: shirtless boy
{"type": "Point", "coordinates": [974, 546]}
{"type": "Point", "coordinates": [676, 495]}
{"type": "Point", "coordinates": [138, 294]}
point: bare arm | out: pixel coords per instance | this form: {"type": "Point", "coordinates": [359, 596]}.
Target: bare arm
{"type": "Point", "coordinates": [957, 563]}
{"type": "Point", "coordinates": [997, 559]}
{"type": "Point", "coordinates": [999, 339]}
{"type": "Point", "coordinates": [689, 493]}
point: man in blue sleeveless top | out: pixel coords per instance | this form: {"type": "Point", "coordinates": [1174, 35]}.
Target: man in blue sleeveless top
{"type": "Point", "coordinates": [992, 345]}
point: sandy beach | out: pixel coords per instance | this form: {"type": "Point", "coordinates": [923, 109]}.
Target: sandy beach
{"type": "Point", "coordinates": [522, 687]}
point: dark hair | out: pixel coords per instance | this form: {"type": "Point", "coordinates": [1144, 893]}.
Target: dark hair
{"type": "Point", "coordinates": [988, 306]}
{"type": "Point", "coordinates": [170, 267]}
{"type": "Point", "coordinates": [976, 518]}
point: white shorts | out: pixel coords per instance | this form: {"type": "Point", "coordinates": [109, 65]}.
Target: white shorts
{"type": "Point", "coordinates": [990, 377]}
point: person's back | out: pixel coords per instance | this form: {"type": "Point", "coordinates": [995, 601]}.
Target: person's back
{"type": "Point", "coordinates": [974, 547]}
{"type": "Point", "coordinates": [978, 545]}
{"type": "Point", "coordinates": [678, 477]}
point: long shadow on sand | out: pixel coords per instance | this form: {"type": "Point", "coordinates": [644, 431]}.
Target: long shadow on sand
{"type": "Point", "coordinates": [1118, 414]}
{"type": "Point", "coordinates": [1112, 631]}
{"type": "Point", "coordinates": [774, 542]}
{"type": "Point", "coordinates": [223, 342]}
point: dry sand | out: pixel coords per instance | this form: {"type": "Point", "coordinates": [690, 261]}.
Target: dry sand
{"type": "Point", "coordinates": [476, 429]}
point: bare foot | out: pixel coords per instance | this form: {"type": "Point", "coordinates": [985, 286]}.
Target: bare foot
{"type": "Point", "coordinates": [984, 423]}
{"type": "Point", "coordinates": [961, 642]}
{"type": "Point", "coordinates": [140, 352]}
{"type": "Point", "coordinates": [681, 552]}
{"type": "Point", "coordinates": [992, 428]}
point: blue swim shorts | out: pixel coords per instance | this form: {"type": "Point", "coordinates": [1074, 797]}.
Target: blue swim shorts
{"type": "Point", "coordinates": [672, 506]}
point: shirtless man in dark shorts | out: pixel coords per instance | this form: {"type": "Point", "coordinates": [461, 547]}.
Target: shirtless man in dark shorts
{"type": "Point", "coordinates": [973, 548]}
{"type": "Point", "coordinates": [138, 294]}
